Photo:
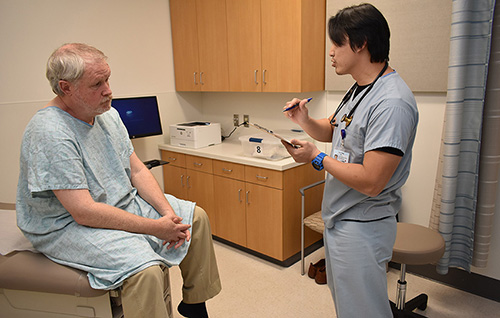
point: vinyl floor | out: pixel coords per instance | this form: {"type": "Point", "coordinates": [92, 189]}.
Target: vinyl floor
{"type": "Point", "coordinates": [255, 288]}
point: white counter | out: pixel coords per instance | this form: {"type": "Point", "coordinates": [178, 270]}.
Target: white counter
{"type": "Point", "coordinates": [232, 151]}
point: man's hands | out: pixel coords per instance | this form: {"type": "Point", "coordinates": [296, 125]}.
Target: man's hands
{"type": "Point", "coordinates": [169, 227]}
{"type": "Point", "coordinates": [298, 114]}
{"type": "Point", "coordinates": [305, 153]}
{"type": "Point", "coordinates": [172, 231]}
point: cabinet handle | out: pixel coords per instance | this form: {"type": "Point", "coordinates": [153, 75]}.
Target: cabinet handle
{"type": "Point", "coordinates": [182, 181]}
{"type": "Point", "coordinates": [239, 194]}
{"type": "Point", "coordinates": [172, 158]}
{"type": "Point", "coordinates": [227, 170]}
{"type": "Point", "coordinates": [194, 78]}
{"type": "Point", "coordinates": [261, 177]}
{"type": "Point", "coordinates": [247, 194]}
{"type": "Point", "coordinates": [201, 78]}
{"type": "Point", "coordinates": [255, 77]}
{"type": "Point", "coordinates": [197, 164]}
{"type": "Point", "coordinates": [187, 182]}
{"type": "Point", "coordinates": [264, 77]}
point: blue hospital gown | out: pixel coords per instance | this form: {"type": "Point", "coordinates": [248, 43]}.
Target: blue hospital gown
{"type": "Point", "coordinates": [61, 152]}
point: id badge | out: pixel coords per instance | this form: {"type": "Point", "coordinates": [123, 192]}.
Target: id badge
{"type": "Point", "coordinates": [341, 156]}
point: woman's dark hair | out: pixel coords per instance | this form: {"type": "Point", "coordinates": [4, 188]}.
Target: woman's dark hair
{"type": "Point", "coordinates": [360, 24]}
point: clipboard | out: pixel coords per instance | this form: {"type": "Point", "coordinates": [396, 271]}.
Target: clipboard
{"type": "Point", "coordinates": [274, 134]}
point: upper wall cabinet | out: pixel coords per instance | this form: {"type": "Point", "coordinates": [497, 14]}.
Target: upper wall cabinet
{"type": "Point", "coordinates": [200, 45]}
{"type": "Point", "coordinates": [263, 45]}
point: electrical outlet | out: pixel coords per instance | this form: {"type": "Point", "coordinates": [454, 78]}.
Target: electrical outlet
{"type": "Point", "coordinates": [236, 120]}
{"type": "Point", "coordinates": [246, 120]}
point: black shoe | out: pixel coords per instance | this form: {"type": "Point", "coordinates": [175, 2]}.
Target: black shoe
{"type": "Point", "coordinates": [192, 310]}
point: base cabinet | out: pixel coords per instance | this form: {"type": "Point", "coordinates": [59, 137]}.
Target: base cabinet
{"type": "Point", "coordinates": [230, 209]}
{"type": "Point", "coordinates": [190, 178]}
{"type": "Point", "coordinates": [265, 220]}
{"type": "Point", "coordinates": [252, 207]}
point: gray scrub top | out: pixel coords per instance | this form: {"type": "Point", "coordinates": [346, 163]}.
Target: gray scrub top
{"type": "Point", "coordinates": [386, 117]}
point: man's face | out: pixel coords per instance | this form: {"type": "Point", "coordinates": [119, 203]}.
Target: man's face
{"type": "Point", "coordinates": [92, 93]}
{"type": "Point", "coordinates": [343, 58]}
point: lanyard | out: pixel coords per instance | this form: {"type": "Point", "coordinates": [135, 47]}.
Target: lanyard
{"type": "Point", "coordinates": [348, 118]}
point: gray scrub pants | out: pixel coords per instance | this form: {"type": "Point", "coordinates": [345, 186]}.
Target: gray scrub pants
{"type": "Point", "coordinates": [356, 257]}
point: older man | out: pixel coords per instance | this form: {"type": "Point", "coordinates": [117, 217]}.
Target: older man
{"type": "Point", "coordinates": [86, 200]}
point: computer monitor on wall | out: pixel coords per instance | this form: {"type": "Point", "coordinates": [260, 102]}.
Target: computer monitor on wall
{"type": "Point", "coordinates": [140, 115]}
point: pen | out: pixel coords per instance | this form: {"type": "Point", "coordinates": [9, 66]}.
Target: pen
{"type": "Point", "coordinates": [293, 106]}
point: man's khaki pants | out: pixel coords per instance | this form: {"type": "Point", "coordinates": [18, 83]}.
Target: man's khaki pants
{"type": "Point", "coordinates": [142, 293]}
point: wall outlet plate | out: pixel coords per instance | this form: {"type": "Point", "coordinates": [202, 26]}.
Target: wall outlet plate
{"type": "Point", "coordinates": [236, 120]}
{"type": "Point", "coordinates": [246, 120]}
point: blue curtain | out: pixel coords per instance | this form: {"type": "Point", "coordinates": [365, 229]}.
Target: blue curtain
{"type": "Point", "coordinates": [455, 201]}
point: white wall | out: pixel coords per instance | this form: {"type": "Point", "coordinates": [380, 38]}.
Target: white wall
{"type": "Point", "coordinates": [136, 37]}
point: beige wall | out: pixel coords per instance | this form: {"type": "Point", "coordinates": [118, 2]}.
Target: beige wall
{"type": "Point", "coordinates": [136, 37]}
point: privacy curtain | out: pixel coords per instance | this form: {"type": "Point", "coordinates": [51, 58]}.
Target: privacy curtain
{"type": "Point", "coordinates": [489, 162]}
{"type": "Point", "coordinates": [455, 197]}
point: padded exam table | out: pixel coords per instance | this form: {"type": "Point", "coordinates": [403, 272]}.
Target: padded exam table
{"type": "Point", "coordinates": [31, 285]}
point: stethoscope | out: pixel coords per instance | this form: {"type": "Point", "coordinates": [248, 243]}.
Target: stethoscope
{"type": "Point", "coordinates": [347, 118]}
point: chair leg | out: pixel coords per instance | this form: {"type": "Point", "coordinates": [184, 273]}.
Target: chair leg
{"type": "Point", "coordinates": [402, 309]}
{"type": "Point", "coordinates": [302, 257]}
{"type": "Point", "coordinates": [401, 292]}
{"type": "Point", "coordinates": [302, 239]}
{"type": "Point", "coordinates": [419, 302]}
{"type": "Point", "coordinates": [396, 313]}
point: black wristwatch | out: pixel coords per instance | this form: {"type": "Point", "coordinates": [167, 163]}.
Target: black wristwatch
{"type": "Point", "coordinates": [317, 162]}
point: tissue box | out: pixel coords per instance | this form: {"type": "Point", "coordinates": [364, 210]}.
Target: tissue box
{"type": "Point", "coordinates": [262, 145]}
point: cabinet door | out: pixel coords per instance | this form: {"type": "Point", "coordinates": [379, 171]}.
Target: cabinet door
{"type": "Point", "coordinates": [265, 220]}
{"type": "Point", "coordinates": [212, 39]}
{"type": "Point", "coordinates": [174, 181]}
{"type": "Point", "coordinates": [281, 45]}
{"type": "Point", "coordinates": [244, 45]}
{"type": "Point", "coordinates": [199, 40]}
{"type": "Point", "coordinates": [200, 189]}
{"type": "Point", "coordinates": [185, 44]}
{"type": "Point", "coordinates": [230, 210]}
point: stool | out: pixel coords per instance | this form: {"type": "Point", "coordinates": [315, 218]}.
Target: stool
{"type": "Point", "coordinates": [415, 245]}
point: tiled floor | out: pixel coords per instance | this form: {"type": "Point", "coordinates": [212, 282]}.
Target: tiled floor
{"type": "Point", "coordinates": [254, 288]}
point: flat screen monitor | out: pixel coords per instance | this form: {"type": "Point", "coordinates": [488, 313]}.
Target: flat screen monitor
{"type": "Point", "coordinates": [140, 115]}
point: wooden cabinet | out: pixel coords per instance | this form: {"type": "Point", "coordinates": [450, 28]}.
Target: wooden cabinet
{"type": "Point", "coordinates": [230, 209]}
{"type": "Point", "coordinates": [190, 178]}
{"type": "Point", "coordinates": [265, 220]}
{"type": "Point", "coordinates": [249, 214]}
{"type": "Point", "coordinates": [200, 45]}
{"type": "Point", "coordinates": [276, 45]}
{"type": "Point", "coordinates": [252, 207]}
{"type": "Point", "coordinates": [260, 45]}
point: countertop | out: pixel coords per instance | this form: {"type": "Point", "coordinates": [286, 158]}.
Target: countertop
{"type": "Point", "coordinates": [233, 152]}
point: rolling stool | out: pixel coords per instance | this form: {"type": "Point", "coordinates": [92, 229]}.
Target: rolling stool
{"type": "Point", "coordinates": [415, 245]}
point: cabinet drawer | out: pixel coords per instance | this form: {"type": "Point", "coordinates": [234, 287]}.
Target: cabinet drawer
{"type": "Point", "coordinates": [199, 163]}
{"type": "Point", "coordinates": [270, 178]}
{"type": "Point", "coordinates": [175, 158]}
{"type": "Point", "coordinates": [229, 169]}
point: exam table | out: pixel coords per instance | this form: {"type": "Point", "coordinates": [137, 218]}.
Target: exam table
{"type": "Point", "coordinates": [31, 285]}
